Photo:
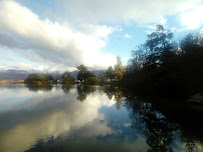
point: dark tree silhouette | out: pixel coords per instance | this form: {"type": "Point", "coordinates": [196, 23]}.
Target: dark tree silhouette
{"type": "Point", "coordinates": [110, 73]}
{"type": "Point", "coordinates": [162, 67]}
{"type": "Point", "coordinates": [84, 73]}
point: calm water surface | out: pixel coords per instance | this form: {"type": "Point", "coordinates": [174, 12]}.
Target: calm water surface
{"type": "Point", "coordinates": [84, 118]}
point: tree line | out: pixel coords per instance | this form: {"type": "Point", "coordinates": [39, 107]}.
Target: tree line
{"type": "Point", "coordinates": [165, 67]}
{"type": "Point", "coordinates": [84, 75]}
{"type": "Point", "coordinates": [161, 66]}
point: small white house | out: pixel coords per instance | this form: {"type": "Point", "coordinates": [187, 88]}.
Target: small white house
{"type": "Point", "coordinates": [77, 81]}
{"type": "Point", "coordinates": [114, 80]}
{"type": "Point", "coordinates": [107, 80]}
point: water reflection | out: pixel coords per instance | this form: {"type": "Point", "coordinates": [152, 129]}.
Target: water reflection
{"type": "Point", "coordinates": [84, 91]}
{"type": "Point", "coordinates": [39, 88]}
{"type": "Point", "coordinates": [153, 125]}
{"type": "Point", "coordinates": [162, 132]}
{"type": "Point", "coordinates": [51, 115]}
{"type": "Point", "coordinates": [106, 120]}
{"type": "Point", "coordinates": [67, 88]}
{"type": "Point", "coordinates": [114, 92]}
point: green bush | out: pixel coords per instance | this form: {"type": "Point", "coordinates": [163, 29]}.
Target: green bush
{"type": "Point", "coordinates": [38, 79]}
{"type": "Point", "coordinates": [91, 81]}
{"type": "Point", "coordinates": [67, 79]}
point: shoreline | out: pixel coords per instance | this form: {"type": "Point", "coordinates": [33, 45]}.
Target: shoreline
{"type": "Point", "coordinates": [11, 82]}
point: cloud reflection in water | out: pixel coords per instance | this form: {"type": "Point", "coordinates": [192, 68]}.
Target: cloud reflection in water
{"type": "Point", "coordinates": [48, 114]}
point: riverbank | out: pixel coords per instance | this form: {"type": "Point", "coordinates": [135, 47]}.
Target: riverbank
{"type": "Point", "coordinates": [12, 82]}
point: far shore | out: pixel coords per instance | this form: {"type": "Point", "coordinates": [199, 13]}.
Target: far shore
{"type": "Point", "coordinates": [23, 82]}
{"type": "Point", "coordinates": [11, 81]}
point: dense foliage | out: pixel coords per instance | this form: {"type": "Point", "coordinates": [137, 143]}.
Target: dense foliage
{"type": "Point", "coordinates": [164, 67]}
{"type": "Point", "coordinates": [91, 81]}
{"type": "Point", "coordinates": [39, 79]}
{"type": "Point", "coordinates": [117, 72]}
{"type": "Point", "coordinates": [67, 79]}
{"type": "Point", "coordinates": [110, 73]}
{"type": "Point", "coordinates": [84, 73]}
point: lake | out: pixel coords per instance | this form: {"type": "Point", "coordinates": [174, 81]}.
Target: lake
{"type": "Point", "coordinates": [92, 118]}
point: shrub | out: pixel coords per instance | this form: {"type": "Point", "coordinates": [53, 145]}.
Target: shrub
{"type": "Point", "coordinates": [38, 79]}
{"type": "Point", "coordinates": [67, 79]}
{"type": "Point", "coordinates": [91, 81]}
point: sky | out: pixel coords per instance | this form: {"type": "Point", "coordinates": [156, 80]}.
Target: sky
{"type": "Point", "coordinates": [59, 35]}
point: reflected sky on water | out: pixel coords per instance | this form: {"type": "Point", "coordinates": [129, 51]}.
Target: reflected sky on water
{"type": "Point", "coordinates": [74, 118]}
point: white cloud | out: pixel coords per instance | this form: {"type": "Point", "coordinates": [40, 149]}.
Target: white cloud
{"type": "Point", "coordinates": [151, 27]}
{"type": "Point", "coordinates": [163, 21]}
{"type": "Point", "coordinates": [192, 17]}
{"type": "Point", "coordinates": [50, 41]}
{"type": "Point", "coordinates": [116, 11]}
{"type": "Point", "coordinates": [127, 36]}
{"type": "Point", "coordinates": [149, 32]}
{"type": "Point", "coordinates": [173, 29]}
{"type": "Point", "coordinates": [125, 58]}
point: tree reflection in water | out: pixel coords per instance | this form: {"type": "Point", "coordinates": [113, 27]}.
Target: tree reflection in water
{"type": "Point", "coordinates": [116, 92]}
{"type": "Point", "coordinates": [84, 90]}
{"type": "Point", "coordinates": [67, 88]}
{"type": "Point", "coordinates": [153, 125]}
{"type": "Point", "coordinates": [159, 122]}
{"type": "Point", "coordinates": [39, 87]}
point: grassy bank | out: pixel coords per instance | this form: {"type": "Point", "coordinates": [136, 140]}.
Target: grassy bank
{"type": "Point", "coordinates": [12, 82]}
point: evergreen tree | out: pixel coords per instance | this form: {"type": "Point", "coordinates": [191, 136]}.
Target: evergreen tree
{"type": "Point", "coordinates": [84, 73]}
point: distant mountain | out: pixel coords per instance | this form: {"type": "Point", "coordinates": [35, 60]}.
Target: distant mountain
{"type": "Point", "coordinates": [13, 75]}
{"type": "Point", "coordinates": [74, 74]}
{"type": "Point", "coordinates": [98, 73]}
